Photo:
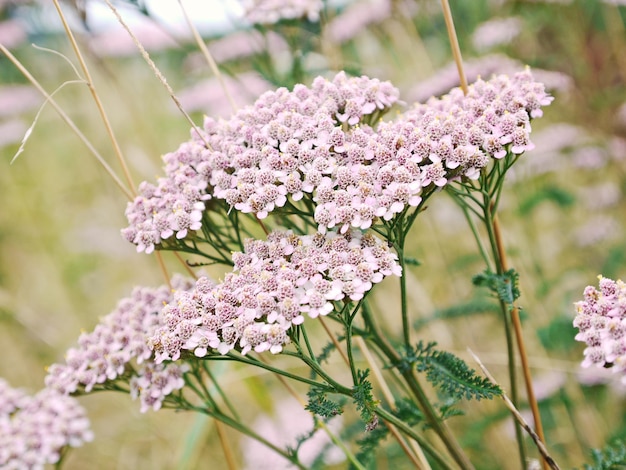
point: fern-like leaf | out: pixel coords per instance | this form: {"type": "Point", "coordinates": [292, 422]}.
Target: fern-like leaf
{"type": "Point", "coordinates": [452, 376]}
{"type": "Point", "coordinates": [505, 286]}
{"type": "Point", "coordinates": [320, 405]}
{"type": "Point", "coordinates": [364, 401]}
{"type": "Point", "coordinates": [612, 457]}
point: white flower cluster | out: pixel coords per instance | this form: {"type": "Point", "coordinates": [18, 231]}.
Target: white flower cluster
{"type": "Point", "coordinates": [274, 284]}
{"type": "Point", "coordinates": [34, 430]}
{"type": "Point", "coordinates": [601, 321]}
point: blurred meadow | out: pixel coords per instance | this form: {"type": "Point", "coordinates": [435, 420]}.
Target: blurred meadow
{"type": "Point", "coordinates": [63, 263]}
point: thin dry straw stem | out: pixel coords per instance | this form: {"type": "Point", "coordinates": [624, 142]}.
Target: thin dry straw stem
{"type": "Point", "coordinates": [323, 425]}
{"type": "Point", "coordinates": [517, 327]}
{"type": "Point", "coordinates": [94, 94]}
{"type": "Point", "coordinates": [454, 44]}
{"type": "Point", "coordinates": [209, 58]}
{"type": "Point", "coordinates": [157, 73]}
{"type": "Point", "coordinates": [334, 340]}
{"type": "Point", "coordinates": [187, 267]}
{"type": "Point", "coordinates": [419, 459]}
{"type": "Point", "coordinates": [228, 451]}
{"type": "Point", "coordinates": [509, 404]}
{"type": "Point", "coordinates": [68, 121]}
{"type": "Point", "coordinates": [163, 268]}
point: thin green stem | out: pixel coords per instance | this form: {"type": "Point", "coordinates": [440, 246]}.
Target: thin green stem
{"type": "Point", "coordinates": [257, 363]}
{"type": "Point", "coordinates": [418, 393]}
{"type": "Point", "coordinates": [219, 389]}
{"type": "Point", "coordinates": [409, 431]}
{"type": "Point", "coordinates": [349, 322]}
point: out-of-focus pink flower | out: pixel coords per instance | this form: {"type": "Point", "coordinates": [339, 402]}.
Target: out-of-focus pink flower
{"type": "Point", "coordinates": [243, 44]}
{"type": "Point", "coordinates": [601, 195]}
{"type": "Point", "coordinates": [552, 146]}
{"type": "Point", "coordinates": [272, 11]}
{"type": "Point", "coordinates": [12, 33]}
{"type": "Point", "coordinates": [494, 64]}
{"type": "Point", "coordinates": [357, 17]}
{"type": "Point", "coordinates": [17, 99]}
{"type": "Point", "coordinates": [496, 32]}
{"type": "Point", "coordinates": [118, 43]}
{"type": "Point", "coordinates": [597, 229]}
{"type": "Point", "coordinates": [12, 131]}
{"type": "Point", "coordinates": [208, 96]}
{"type": "Point", "coordinates": [291, 421]}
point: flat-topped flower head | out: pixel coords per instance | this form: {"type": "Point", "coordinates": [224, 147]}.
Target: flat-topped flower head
{"type": "Point", "coordinates": [118, 342]}
{"type": "Point", "coordinates": [274, 285]}
{"type": "Point", "coordinates": [601, 322]}
{"type": "Point", "coordinates": [35, 430]}
{"type": "Point", "coordinates": [327, 145]}
{"type": "Point", "coordinates": [174, 206]}
{"type": "Point", "coordinates": [463, 132]}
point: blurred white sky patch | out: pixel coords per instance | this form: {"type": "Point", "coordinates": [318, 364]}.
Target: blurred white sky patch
{"type": "Point", "coordinates": [211, 17]}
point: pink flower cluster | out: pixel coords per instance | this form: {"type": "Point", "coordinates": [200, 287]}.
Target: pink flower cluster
{"type": "Point", "coordinates": [281, 145]}
{"type": "Point", "coordinates": [317, 143]}
{"type": "Point", "coordinates": [601, 321]}
{"type": "Point", "coordinates": [274, 283]}
{"type": "Point", "coordinates": [466, 131]}
{"type": "Point", "coordinates": [175, 204]}
{"type": "Point", "coordinates": [121, 337]}
{"type": "Point", "coordinates": [35, 429]}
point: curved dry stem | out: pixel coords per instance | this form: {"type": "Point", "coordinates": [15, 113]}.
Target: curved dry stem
{"type": "Point", "coordinates": [96, 97]}
{"type": "Point", "coordinates": [156, 72]}
{"type": "Point", "coordinates": [68, 121]}
{"type": "Point", "coordinates": [520, 419]}
{"type": "Point", "coordinates": [209, 58]}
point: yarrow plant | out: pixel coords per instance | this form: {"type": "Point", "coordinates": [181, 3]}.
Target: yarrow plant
{"type": "Point", "coordinates": [601, 321]}
{"type": "Point", "coordinates": [117, 351]}
{"type": "Point", "coordinates": [302, 204]}
{"type": "Point", "coordinates": [339, 188]}
{"type": "Point", "coordinates": [35, 431]}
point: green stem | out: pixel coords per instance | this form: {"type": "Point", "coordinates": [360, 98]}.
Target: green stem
{"type": "Point", "coordinates": [349, 322]}
{"type": "Point", "coordinates": [409, 431]}
{"type": "Point", "coordinates": [514, 390]}
{"type": "Point", "coordinates": [417, 391]}
{"type": "Point", "coordinates": [253, 362]}
{"type": "Point", "coordinates": [235, 424]}
{"type": "Point", "coordinates": [219, 389]}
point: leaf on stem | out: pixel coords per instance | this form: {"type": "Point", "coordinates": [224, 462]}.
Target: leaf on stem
{"type": "Point", "coordinates": [612, 457]}
{"type": "Point", "coordinates": [451, 375]}
{"type": "Point", "coordinates": [364, 401]}
{"type": "Point", "coordinates": [320, 405]}
{"type": "Point", "coordinates": [505, 285]}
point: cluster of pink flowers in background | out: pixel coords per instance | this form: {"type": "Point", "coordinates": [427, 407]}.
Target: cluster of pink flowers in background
{"type": "Point", "coordinates": [272, 11]}
{"type": "Point", "coordinates": [601, 320]}
{"type": "Point", "coordinates": [35, 429]}
{"type": "Point", "coordinates": [105, 353]}
{"type": "Point", "coordinates": [273, 284]}
{"type": "Point", "coordinates": [318, 143]}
